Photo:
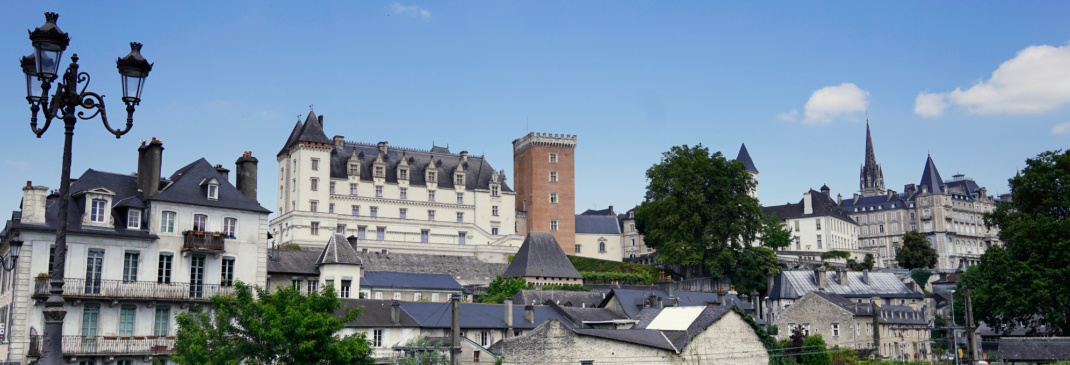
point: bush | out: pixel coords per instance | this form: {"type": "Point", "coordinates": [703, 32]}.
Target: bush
{"type": "Point", "coordinates": [843, 356]}
{"type": "Point", "coordinates": [585, 264]}
{"type": "Point", "coordinates": [565, 287]}
{"type": "Point", "coordinates": [632, 278]}
{"type": "Point", "coordinates": [815, 352]}
{"type": "Point", "coordinates": [290, 247]}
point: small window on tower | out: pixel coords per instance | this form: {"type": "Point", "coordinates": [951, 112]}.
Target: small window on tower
{"type": "Point", "coordinates": [553, 158]}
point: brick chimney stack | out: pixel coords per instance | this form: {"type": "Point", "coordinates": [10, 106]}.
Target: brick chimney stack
{"type": "Point", "coordinates": [149, 158]}
{"type": "Point", "coordinates": [821, 278]}
{"type": "Point", "coordinates": [245, 175]}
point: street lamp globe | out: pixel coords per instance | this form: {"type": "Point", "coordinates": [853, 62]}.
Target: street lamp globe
{"type": "Point", "coordinates": [16, 248]}
{"type": "Point", "coordinates": [134, 68]}
{"type": "Point", "coordinates": [34, 93]}
{"type": "Point", "coordinates": [49, 42]}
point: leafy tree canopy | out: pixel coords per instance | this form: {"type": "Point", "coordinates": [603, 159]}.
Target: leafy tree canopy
{"type": "Point", "coordinates": [916, 252]}
{"type": "Point", "coordinates": [834, 254]}
{"type": "Point", "coordinates": [697, 210]}
{"type": "Point", "coordinates": [1026, 281]}
{"type": "Point", "coordinates": [501, 288]}
{"type": "Point", "coordinates": [921, 277]}
{"type": "Point", "coordinates": [753, 265]}
{"type": "Point", "coordinates": [815, 352]}
{"type": "Point", "coordinates": [866, 264]}
{"type": "Point", "coordinates": [255, 326]}
{"type": "Point", "coordinates": [774, 234]}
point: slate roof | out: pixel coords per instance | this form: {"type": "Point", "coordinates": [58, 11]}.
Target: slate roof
{"type": "Point", "coordinates": [823, 206]}
{"type": "Point", "coordinates": [877, 202]}
{"type": "Point", "coordinates": [930, 177]}
{"type": "Point", "coordinates": [744, 157]}
{"type": "Point", "coordinates": [563, 298]}
{"type": "Point", "coordinates": [338, 251]}
{"type": "Point", "coordinates": [375, 313]}
{"type": "Point", "coordinates": [590, 314]}
{"type": "Point", "coordinates": [597, 224]}
{"type": "Point", "coordinates": [309, 131]}
{"type": "Point", "coordinates": [294, 262]}
{"type": "Point", "coordinates": [607, 211]}
{"type": "Point", "coordinates": [541, 256]}
{"type": "Point", "coordinates": [408, 280]}
{"type": "Point", "coordinates": [123, 186]}
{"type": "Point", "coordinates": [476, 315]}
{"type": "Point", "coordinates": [674, 340]}
{"type": "Point", "coordinates": [478, 172]}
{"type": "Point", "coordinates": [665, 340]}
{"type": "Point", "coordinates": [1034, 348]}
{"type": "Point", "coordinates": [187, 186]}
{"type": "Point", "coordinates": [634, 301]}
{"type": "Point", "coordinates": [793, 284]}
{"type": "Point", "coordinates": [891, 314]}
{"type": "Point", "coordinates": [465, 269]}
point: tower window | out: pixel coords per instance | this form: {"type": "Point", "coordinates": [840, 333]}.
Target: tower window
{"type": "Point", "coordinates": [553, 157]}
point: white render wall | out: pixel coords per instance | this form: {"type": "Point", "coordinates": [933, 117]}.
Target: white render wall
{"type": "Point", "coordinates": [589, 246]}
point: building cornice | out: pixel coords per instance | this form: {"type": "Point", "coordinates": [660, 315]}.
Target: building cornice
{"type": "Point", "coordinates": [543, 139]}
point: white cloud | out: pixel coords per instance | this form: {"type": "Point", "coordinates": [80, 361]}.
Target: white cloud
{"type": "Point", "coordinates": [832, 102]}
{"type": "Point", "coordinates": [930, 104]}
{"type": "Point", "coordinates": [1061, 128]}
{"type": "Point", "coordinates": [791, 116]}
{"type": "Point", "coordinates": [1036, 80]}
{"type": "Point", "coordinates": [410, 10]}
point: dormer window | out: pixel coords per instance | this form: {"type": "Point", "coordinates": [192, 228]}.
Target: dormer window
{"type": "Point", "coordinates": [133, 219]}
{"type": "Point", "coordinates": [100, 209]}
{"type": "Point", "coordinates": [403, 174]}
{"type": "Point", "coordinates": [432, 177]}
{"type": "Point", "coordinates": [458, 179]}
{"type": "Point", "coordinates": [354, 169]}
{"type": "Point", "coordinates": [380, 171]}
{"type": "Point", "coordinates": [495, 190]}
{"type": "Point", "coordinates": [213, 191]}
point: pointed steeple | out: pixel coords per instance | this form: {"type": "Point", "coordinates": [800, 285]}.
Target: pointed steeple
{"type": "Point", "coordinates": [871, 178]}
{"type": "Point", "coordinates": [930, 178]}
{"type": "Point", "coordinates": [744, 157]}
{"type": "Point", "coordinates": [310, 131]}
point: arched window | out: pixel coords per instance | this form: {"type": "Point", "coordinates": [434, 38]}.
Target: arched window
{"type": "Point", "coordinates": [601, 247]}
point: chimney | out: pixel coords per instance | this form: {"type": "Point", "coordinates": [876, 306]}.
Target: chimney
{"type": "Point", "coordinates": [464, 156]}
{"type": "Point", "coordinates": [395, 312]}
{"type": "Point", "coordinates": [652, 301]}
{"type": "Point", "coordinates": [33, 203]}
{"type": "Point", "coordinates": [856, 198]}
{"type": "Point", "coordinates": [529, 313]}
{"type": "Point", "coordinates": [339, 142]}
{"type": "Point", "coordinates": [660, 304]}
{"type": "Point", "coordinates": [808, 206]}
{"type": "Point", "coordinates": [891, 194]}
{"type": "Point", "coordinates": [353, 242]}
{"type": "Point", "coordinates": [724, 298]}
{"type": "Point", "coordinates": [319, 118]}
{"type": "Point", "coordinates": [382, 147]}
{"type": "Point", "coordinates": [820, 278]}
{"type": "Point", "coordinates": [245, 175]}
{"type": "Point", "coordinates": [865, 277]}
{"type": "Point", "coordinates": [508, 317]}
{"type": "Point", "coordinates": [671, 290]}
{"type": "Point", "coordinates": [839, 199]}
{"type": "Point", "coordinates": [149, 157]}
{"type": "Point", "coordinates": [223, 171]}
{"type": "Point", "coordinates": [841, 274]}
{"type": "Point", "coordinates": [769, 284]}
{"type": "Point", "coordinates": [611, 211]}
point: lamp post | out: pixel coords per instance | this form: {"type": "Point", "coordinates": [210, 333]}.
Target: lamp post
{"type": "Point", "coordinates": [49, 42]}
{"type": "Point", "coordinates": [15, 246]}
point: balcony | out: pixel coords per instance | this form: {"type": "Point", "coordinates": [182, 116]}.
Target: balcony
{"type": "Point", "coordinates": [107, 345]}
{"type": "Point", "coordinates": [198, 241]}
{"type": "Point", "coordinates": [78, 288]}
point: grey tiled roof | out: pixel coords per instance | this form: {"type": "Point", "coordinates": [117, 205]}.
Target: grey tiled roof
{"type": "Point", "coordinates": [563, 298]}
{"type": "Point", "coordinates": [541, 256]}
{"type": "Point", "coordinates": [465, 269]}
{"type": "Point", "coordinates": [793, 284]}
{"type": "Point", "coordinates": [634, 301]}
{"type": "Point", "coordinates": [823, 206]}
{"type": "Point", "coordinates": [598, 224]}
{"type": "Point", "coordinates": [478, 172]}
{"type": "Point", "coordinates": [930, 177]}
{"type": "Point", "coordinates": [375, 313]}
{"type": "Point", "coordinates": [338, 251]}
{"type": "Point", "coordinates": [293, 262]}
{"type": "Point", "coordinates": [607, 211]}
{"type": "Point", "coordinates": [590, 314]}
{"type": "Point", "coordinates": [877, 202]}
{"type": "Point", "coordinates": [744, 157]}
{"type": "Point", "coordinates": [126, 196]}
{"type": "Point", "coordinates": [309, 131]}
{"type": "Point", "coordinates": [408, 280]}
{"type": "Point", "coordinates": [1034, 348]}
{"type": "Point", "coordinates": [665, 340]}
{"type": "Point", "coordinates": [187, 186]}
{"type": "Point", "coordinates": [476, 315]}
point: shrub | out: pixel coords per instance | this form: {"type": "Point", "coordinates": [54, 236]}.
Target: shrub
{"type": "Point", "coordinates": [815, 352]}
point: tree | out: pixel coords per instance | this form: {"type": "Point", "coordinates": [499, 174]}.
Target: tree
{"type": "Point", "coordinates": [774, 234]}
{"type": "Point", "coordinates": [753, 265]}
{"type": "Point", "coordinates": [843, 355]}
{"type": "Point", "coordinates": [835, 254]}
{"type": "Point", "coordinates": [1026, 281]}
{"type": "Point", "coordinates": [916, 252]}
{"type": "Point", "coordinates": [430, 357]}
{"type": "Point", "coordinates": [255, 326]}
{"type": "Point", "coordinates": [866, 264]}
{"type": "Point", "coordinates": [795, 343]}
{"type": "Point", "coordinates": [501, 288]}
{"type": "Point", "coordinates": [697, 210]}
{"type": "Point", "coordinates": [815, 352]}
{"type": "Point", "coordinates": [921, 277]}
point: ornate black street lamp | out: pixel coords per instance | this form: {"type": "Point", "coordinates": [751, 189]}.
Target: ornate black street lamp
{"type": "Point", "coordinates": [42, 66]}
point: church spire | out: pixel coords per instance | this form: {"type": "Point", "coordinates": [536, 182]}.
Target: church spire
{"type": "Point", "coordinates": [871, 178]}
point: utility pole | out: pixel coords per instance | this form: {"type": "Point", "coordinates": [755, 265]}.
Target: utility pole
{"type": "Point", "coordinates": [955, 334]}
{"type": "Point", "coordinates": [970, 339]}
{"type": "Point", "coordinates": [455, 330]}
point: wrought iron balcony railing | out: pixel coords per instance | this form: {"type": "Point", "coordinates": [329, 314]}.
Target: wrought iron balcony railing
{"type": "Point", "coordinates": [107, 345]}
{"type": "Point", "coordinates": [78, 288]}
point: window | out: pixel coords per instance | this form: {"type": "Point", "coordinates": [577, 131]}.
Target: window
{"type": "Point", "coordinates": [602, 247]}
{"type": "Point", "coordinates": [484, 338]}
{"type": "Point", "coordinates": [430, 215]}
{"type": "Point", "coordinates": [331, 187]}
{"type": "Point", "coordinates": [130, 266]}
{"type": "Point", "coordinates": [461, 236]}
{"type": "Point", "coordinates": [494, 210]}
{"type": "Point", "coordinates": [380, 171]}
{"type": "Point", "coordinates": [94, 267]}
{"type": "Point", "coordinates": [341, 229]}
{"type": "Point", "coordinates": [431, 178]}
{"type": "Point", "coordinates": [200, 222]}
{"type": "Point", "coordinates": [315, 228]}
{"type": "Point", "coordinates": [818, 241]}
{"type": "Point", "coordinates": [818, 223]}
{"type": "Point", "coordinates": [494, 231]}
{"type": "Point", "coordinates": [196, 276]}
{"type": "Point", "coordinates": [835, 329]}
{"type": "Point", "coordinates": [356, 209]}
{"type": "Point", "coordinates": [403, 213]}
{"type": "Point", "coordinates": [397, 296]}
{"type": "Point", "coordinates": [213, 191]}
{"type": "Point", "coordinates": [434, 297]}
{"type": "Point", "coordinates": [403, 174]}
{"type": "Point", "coordinates": [578, 250]}
{"type": "Point", "coordinates": [354, 170]}
{"type": "Point", "coordinates": [806, 329]}
{"type": "Point", "coordinates": [431, 195]}
{"type": "Point", "coordinates": [126, 320]}
{"type": "Point", "coordinates": [99, 210]}
{"type": "Point", "coordinates": [460, 217]}
{"type": "Point", "coordinates": [315, 183]}
{"type": "Point", "coordinates": [330, 208]}
{"type": "Point", "coordinates": [424, 235]}
{"type": "Point", "coordinates": [553, 198]}
{"type": "Point", "coordinates": [361, 231]}
{"type": "Point", "coordinates": [226, 277]}
{"type": "Point", "coordinates": [404, 194]}
{"type": "Point", "coordinates": [90, 320]}
{"type": "Point", "coordinates": [378, 191]}
{"type": "Point", "coordinates": [374, 211]}
{"type": "Point", "coordinates": [553, 224]}
{"type": "Point", "coordinates": [380, 233]}
{"type": "Point", "coordinates": [315, 164]}
{"type": "Point", "coordinates": [163, 272]}
{"type": "Point", "coordinates": [163, 320]}
{"type": "Point", "coordinates": [495, 190]}
{"type": "Point", "coordinates": [133, 219]}
{"type": "Point", "coordinates": [378, 295]}
{"type": "Point", "coordinates": [352, 189]}
{"type": "Point", "coordinates": [460, 198]}
{"type": "Point", "coordinates": [346, 287]}
{"type": "Point", "coordinates": [475, 356]}
{"type": "Point", "coordinates": [313, 206]}
{"type": "Point", "coordinates": [167, 222]}
{"type": "Point", "coordinates": [230, 226]}
{"type": "Point", "coordinates": [553, 157]}
{"type": "Point", "coordinates": [377, 338]}
{"type": "Point", "coordinates": [459, 179]}
{"type": "Point", "coordinates": [312, 286]}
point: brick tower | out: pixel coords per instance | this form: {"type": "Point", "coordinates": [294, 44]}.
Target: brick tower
{"type": "Point", "coordinates": [544, 174]}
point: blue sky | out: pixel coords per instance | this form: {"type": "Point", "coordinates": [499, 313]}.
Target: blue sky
{"type": "Point", "coordinates": [981, 87]}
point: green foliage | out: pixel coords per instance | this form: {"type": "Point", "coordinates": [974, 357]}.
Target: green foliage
{"type": "Point", "coordinates": [424, 357]}
{"type": "Point", "coordinates": [697, 210]}
{"type": "Point", "coordinates": [815, 352]}
{"type": "Point", "coordinates": [775, 234]}
{"type": "Point", "coordinates": [776, 351]}
{"type": "Point", "coordinates": [939, 337]}
{"type": "Point", "coordinates": [501, 288]}
{"type": "Point", "coordinates": [916, 252]}
{"type": "Point", "coordinates": [254, 326]}
{"type": "Point", "coordinates": [753, 265]}
{"type": "Point", "coordinates": [290, 247]}
{"type": "Point", "coordinates": [921, 277]}
{"type": "Point", "coordinates": [866, 264]}
{"type": "Point", "coordinates": [1026, 281]}
{"type": "Point", "coordinates": [795, 345]}
{"type": "Point", "coordinates": [843, 356]}
{"type": "Point", "coordinates": [565, 287]}
{"type": "Point", "coordinates": [630, 278]}
{"type": "Point", "coordinates": [834, 254]}
{"type": "Point", "coordinates": [595, 265]}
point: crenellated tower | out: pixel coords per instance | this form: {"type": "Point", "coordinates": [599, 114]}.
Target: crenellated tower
{"type": "Point", "coordinates": [545, 177]}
